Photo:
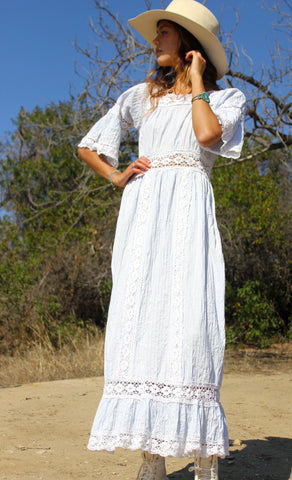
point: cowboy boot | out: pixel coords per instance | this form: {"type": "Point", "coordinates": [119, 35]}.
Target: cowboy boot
{"type": "Point", "coordinates": [205, 468]}
{"type": "Point", "coordinates": [152, 468]}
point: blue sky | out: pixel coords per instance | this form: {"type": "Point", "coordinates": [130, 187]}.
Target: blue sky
{"type": "Point", "coordinates": [37, 54]}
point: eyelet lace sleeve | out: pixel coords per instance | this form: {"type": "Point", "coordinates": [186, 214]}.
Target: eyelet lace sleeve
{"type": "Point", "coordinates": [106, 134]}
{"type": "Point", "coordinates": [229, 107]}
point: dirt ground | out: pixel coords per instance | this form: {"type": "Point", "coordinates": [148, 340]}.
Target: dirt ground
{"type": "Point", "coordinates": [45, 427]}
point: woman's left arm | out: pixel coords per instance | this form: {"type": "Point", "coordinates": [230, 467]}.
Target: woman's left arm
{"type": "Point", "coordinates": [205, 123]}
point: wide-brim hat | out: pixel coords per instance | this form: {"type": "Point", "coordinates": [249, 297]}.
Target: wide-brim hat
{"type": "Point", "coordinates": [195, 18]}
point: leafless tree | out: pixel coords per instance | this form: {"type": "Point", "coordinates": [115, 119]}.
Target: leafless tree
{"type": "Point", "coordinates": [117, 58]}
{"type": "Point", "coordinates": [268, 89]}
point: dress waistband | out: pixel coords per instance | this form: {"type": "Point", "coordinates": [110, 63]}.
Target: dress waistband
{"type": "Point", "coordinates": [179, 160]}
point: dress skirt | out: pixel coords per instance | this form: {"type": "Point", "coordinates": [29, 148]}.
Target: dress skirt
{"type": "Point", "coordinates": [165, 336]}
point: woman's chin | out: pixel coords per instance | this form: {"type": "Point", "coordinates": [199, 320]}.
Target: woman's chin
{"type": "Point", "coordinates": [164, 61]}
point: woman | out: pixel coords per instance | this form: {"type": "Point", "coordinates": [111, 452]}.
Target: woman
{"type": "Point", "coordinates": [165, 335]}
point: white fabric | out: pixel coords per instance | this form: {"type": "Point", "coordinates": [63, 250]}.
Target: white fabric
{"type": "Point", "coordinates": [165, 335]}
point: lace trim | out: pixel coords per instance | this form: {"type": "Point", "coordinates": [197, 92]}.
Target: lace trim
{"type": "Point", "coordinates": [135, 278]}
{"type": "Point", "coordinates": [171, 163]}
{"type": "Point", "coordinates": [176, 321]}
{"type": "Point", "coordinates": [173, 99]}
{"type": "Point", "coordinates": [186, 394]}
{"type": "Point", "coordinates": [159, 446]}
{"type": "Point", "coordinates": [227, 146]}
{"type": "Point", "coordinates": [101, 149]}
{"type": "Point", "coordinates": [180, 160]}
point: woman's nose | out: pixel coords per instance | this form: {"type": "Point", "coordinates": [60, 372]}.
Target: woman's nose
{"type": "Point", "coordinates": [155, 41]}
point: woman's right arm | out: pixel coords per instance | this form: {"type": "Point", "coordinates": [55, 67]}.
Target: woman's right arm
{"type": "Point", "coordinates": [100, 166]}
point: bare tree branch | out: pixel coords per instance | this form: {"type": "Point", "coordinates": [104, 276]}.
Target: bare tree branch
{"type": "Point", "coordinates": [105, 76]}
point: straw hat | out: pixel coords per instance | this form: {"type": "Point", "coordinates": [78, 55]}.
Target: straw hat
{"type": "Point", "coordinates": [195, 18]}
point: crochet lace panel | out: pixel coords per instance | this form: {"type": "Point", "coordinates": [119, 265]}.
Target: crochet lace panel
{"type": "Point", "coordinates": [177, 299]}
{"type": "Point", "coordinates": [186, 394]}
{"type": "Point", "coordinates": [181, 160]}
{"type": "Point", "coordinates": [163, 447]}
{"type": "Point", "coordinates": [135, 279]}
{"type": "Point", "coordinates": [173, 99]}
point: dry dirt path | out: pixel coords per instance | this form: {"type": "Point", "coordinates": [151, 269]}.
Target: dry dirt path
{"type": "Point", "coordinates": [45, 427]}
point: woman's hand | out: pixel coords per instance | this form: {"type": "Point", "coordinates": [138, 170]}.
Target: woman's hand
{"type": "Point", "coordinates": [141, 165]}
{"type": "Point", "coordinates": [198, 63]}
{"type": "Point", "coordinates": [102, 167]}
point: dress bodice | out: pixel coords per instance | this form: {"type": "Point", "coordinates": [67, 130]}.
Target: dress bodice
{"type": "Point", "coordinates": [166, 134]}
{"type": "Point", "coordinates": [167, 137]}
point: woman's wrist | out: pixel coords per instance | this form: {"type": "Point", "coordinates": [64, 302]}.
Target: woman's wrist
{"type": "Point", "coordinates": [201, 96]}
{"type": "Point", "coordinates": [113, 172]}
{"type": "Point", "coordinates": [196, 80]}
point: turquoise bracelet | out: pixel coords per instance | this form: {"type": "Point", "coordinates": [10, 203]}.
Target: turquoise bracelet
{"type": "Point", "coordinates": [111, 174]}
{"type": "Point", "coordinates": [202, 96]}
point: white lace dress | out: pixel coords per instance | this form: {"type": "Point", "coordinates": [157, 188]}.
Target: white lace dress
{"type": "Point", "coordinates": [165, 334]}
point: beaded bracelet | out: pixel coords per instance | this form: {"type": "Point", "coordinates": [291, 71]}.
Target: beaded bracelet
{"type": "Point", "coordinates": [202, 96]}
{"type": "Point", "coordinates": [110, 176]}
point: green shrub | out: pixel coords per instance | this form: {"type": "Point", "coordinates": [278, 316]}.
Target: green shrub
{"type": "Point", "coordinates": [252, 319]}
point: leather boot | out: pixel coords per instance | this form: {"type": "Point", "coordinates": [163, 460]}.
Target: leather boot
{"type": "Point", "coordinates": [152, 468]}
{"type": "Point", "coordinates": [205, 468]}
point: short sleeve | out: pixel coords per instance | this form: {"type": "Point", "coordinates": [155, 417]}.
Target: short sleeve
{"type": "Point", "coordinates": [229, 107]}
{"type": "Point", "coordinates": [106, 134]}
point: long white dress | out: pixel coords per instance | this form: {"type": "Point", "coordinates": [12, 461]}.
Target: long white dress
{"type": "Point", "coordinates": [165, 336]}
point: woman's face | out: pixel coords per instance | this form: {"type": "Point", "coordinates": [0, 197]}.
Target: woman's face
{"type": "Point", "coordinates": [167, 43]}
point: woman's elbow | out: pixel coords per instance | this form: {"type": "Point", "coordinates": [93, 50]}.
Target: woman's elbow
{"type": "Point", "coordinates": [208, 138]}
{"type": "Point", "coordinates": [82, 153]}
{"type": "Point", "coordinates": [79, 151]}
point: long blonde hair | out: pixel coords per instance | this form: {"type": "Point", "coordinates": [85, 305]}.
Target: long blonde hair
{"type": "Point", "coordinates": [161, 79]}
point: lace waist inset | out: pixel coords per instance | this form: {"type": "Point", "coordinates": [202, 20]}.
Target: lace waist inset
{"type": "Point", "coordinates": [180, 160]}
{"type": "Point", "coordinates": [187, 394]}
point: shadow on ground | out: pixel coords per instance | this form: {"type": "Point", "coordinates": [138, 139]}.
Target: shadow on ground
{"type": "Point", "coordinates": [269, 459]}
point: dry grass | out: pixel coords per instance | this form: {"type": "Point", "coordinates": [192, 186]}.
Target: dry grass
{"type": "Point", "coordinates": [274, 359]}
{"type": "Point", "coordinates": [43, 363]}
{"type": "Point", "coordinates": [84, 358]}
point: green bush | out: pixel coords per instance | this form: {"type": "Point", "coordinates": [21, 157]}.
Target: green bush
{"type": "Point", "coordinates": [252, 319]}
